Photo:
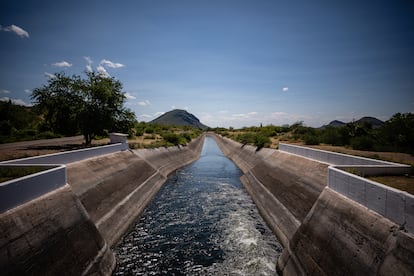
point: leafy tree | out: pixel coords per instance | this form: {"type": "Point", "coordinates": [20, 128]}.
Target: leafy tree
{"type": "Point", "coordinates": [90, 106]}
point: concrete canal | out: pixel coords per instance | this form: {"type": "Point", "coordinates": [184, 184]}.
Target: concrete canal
{"type": "Point", "coordinates": [201, 222]}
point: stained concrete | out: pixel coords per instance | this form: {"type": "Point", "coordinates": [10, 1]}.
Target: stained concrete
{"type": "Point", "coordinates": [70, 231]}
{"type": "Point", "coordinates": [116, 188]}
{"type": "Point", "coordinates": [52, 235]}
{"type": "Point", "coordinates": [342, 237]}
{"type": "Point", "coordinates": [283, 186]}
{"type": "Point", "coordinates": [322, 231]}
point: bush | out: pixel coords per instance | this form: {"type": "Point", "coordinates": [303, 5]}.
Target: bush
{"type": "Point", "coordinates": [310, 139]}
{"type": "Point", "coordinates": [362, 143]}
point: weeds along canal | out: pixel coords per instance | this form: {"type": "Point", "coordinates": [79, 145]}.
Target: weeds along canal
{"type": "Point", "coordinates": [202, 222]}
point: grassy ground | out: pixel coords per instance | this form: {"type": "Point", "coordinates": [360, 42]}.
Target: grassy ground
{"type": "Point", "coordinates": [9, 173]}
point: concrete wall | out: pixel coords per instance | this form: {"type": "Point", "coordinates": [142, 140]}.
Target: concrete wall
{"type": "Point", "coordinates": [68, 156]}
{"type": "Point", "coordinates": [115, 189]}
{"type": "Point", "coordinates": [283, 186]}
{"type": "Point", "coordinates": [52, 235]}
{"type": "Point", "coordinates": [342, 237]}
{"type": "Point", "coordinates": [393, 204]}
{"type": "Point", "coordinates": [332, 158]}
{"type": "Point", "coordinates": [70, 230]}
{"type": "Point", "coordinates": [322, 231]}
{"type": "Point", "coordinates": [396, 205]}
{"type": "Point", "coordinates": [18, 191]}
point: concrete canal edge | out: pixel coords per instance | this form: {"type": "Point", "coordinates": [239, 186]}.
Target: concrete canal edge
{"type": "Point", "coordinates": [323, 232]}
{"type": "Point", "coordinates": [72, 229]}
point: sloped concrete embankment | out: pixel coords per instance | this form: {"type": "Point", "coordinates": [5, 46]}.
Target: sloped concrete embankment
{"type": "Point", "coordinates": [70, 230]}
{"type": "Point", "coordinates": [283, 186]}
{"type": "Point", "coordinates": [116, 188]}
{"type": "Point", "coordinates": [322, 231]}
{"type": "Point", "coordinates": [52, 235]}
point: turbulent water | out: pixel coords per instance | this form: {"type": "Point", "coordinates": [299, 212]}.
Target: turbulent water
{"type": "Point", "coordinates": [202, 222]}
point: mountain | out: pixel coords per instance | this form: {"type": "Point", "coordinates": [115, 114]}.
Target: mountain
{"type": "Point", "coordinates": [374, 122]}
{"type": "Point", "coordinates": [179, 117]}
{"type": "Point", "coordinates": [336, 123]}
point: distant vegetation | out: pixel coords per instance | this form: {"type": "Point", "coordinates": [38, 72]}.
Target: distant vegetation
{"type": "Point", "coordinates": [162, 135]}
{"type": "Point", "coordinates": [20, 123]}
{"type": "Point", "coordinates": [396, 134]}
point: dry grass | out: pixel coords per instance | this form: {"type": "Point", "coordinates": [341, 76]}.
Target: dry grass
{"type": "Point", "coordinates": [403, 183]}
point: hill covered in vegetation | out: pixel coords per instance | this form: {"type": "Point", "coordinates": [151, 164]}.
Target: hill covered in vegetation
{"type": "Point", "coordinates": [179, 117]}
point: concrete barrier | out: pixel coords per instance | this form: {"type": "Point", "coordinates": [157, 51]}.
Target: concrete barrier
{"type": "Point", "coordinates": [391, 203]}
{"type": "Point", "coordinates": [329, 157]}
{"type": "Point", "coordinates": [323, 231]}
{"type": "Point", "coordinates": [68, 156]}
{"type": "Point", "coordinates": [18, 191]}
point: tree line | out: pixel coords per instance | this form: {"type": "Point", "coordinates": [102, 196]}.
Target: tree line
{"type": "Point", "coordinates": [395, 135]}
{"type": "Point", "coordinates": [67, 106]}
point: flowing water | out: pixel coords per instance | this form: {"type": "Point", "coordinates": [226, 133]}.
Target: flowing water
{"type": "Point", "coordinates": [202, 222]}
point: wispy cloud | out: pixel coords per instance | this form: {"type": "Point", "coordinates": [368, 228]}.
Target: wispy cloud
{"type": "Point", "coordinates": [285, 89]}
{"type": "Point", "coordinates": [130, 96]}
{"type": "Point", "coordinates": [89, 65]}
{"type": "Point", "coordinates": [144, 103]}
{"type": "Point", "coordinates": [4, 91]}
{"type": "Point", "coordinates": [15, 101]}
{"type": "Point", "coordinates": [15, 29]}
{"type": "Point", "coordinates": [102, 71]}
{"type": "Point", "coordinates": [49, 75]}
{"type": "Point", "coordinates": [62, 64]}
{"type": "Point", "coordinates": [28, 91]}
{"type": "Point", "coordinates": [111, 64]}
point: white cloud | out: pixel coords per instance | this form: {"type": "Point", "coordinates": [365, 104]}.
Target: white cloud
{"type": "Point", "coordinates": [159, 113]}
{"type": "Point", "coordinates": [102, 71]}
{"type": "Point", "coordinates": [145, 116]}
{"type": "Point", "coordinates": [144, 103]}
{"type": "Point", "coordinates": [285, 89]}
{"type": "Point", "coordinates": [89, 65]}
{"type": "Point", "coordinates": [111, 64]}
{"type": "Point", "coordinates": [15, 101]}
{"type": "Point", "coordinates": [28, 91]}
{"type": "Point", "coordinates": [4, 91]}
{"type": "Point", "coordinates": [130, 96]}
{"type": "Point", "coordinates": [62, 64]}
{"type": "Point", "coordinates": [49, 75]}
{"type": "Point", "coordinates": [15, 29]}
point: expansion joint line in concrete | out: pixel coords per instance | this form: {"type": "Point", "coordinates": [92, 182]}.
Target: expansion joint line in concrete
{"type": "Point", "coordinates": [124, 201]}
{"type": "Point", "coordinates": [279, 232]}
{"type": "Point", "coordinates": [96, 260]}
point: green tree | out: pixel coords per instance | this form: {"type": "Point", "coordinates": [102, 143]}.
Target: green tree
{"type": "Point", "coordinates": [61, 102]}
{"type": "Point", "coordinates": [91, 106]}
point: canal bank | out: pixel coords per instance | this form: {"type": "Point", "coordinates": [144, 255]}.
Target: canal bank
{"type": "Point", "coordinates": [71, 230]}
{"type": "Point", "coordinates": [322, 231]}
{"type": "Point", "coordinates": [201, 222]}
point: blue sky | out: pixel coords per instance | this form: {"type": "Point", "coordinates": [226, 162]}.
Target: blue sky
{"type": "Point", "coordinates": [229, 62]}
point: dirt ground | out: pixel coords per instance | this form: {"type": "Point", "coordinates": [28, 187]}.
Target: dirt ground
{"type": "Point", "coordinates": [46, 146]}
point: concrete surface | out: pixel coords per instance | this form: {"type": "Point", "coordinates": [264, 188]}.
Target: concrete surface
{"type": "Point", "coordinates": [67, 157]}
{"type": "Point", "coordinates": [20, 190]}
{"type": "Point", "coordinates": [324, 232]}
{"type": "Point", "coordinates": [52, 235]}
{"type": "Point", "coordinates": [283, 186]}
{"type": "Point", "coordinates": [342, 237]}
{"type": "Point", "coordinates": [115, 189]}
{"type": "Point", "coordinates": [70, 230]}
